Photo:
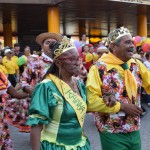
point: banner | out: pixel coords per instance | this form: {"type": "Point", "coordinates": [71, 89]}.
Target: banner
{"type": "Point", "coordinates": [145, 2]}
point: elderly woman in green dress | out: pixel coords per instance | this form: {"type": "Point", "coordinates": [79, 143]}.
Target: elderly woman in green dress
{"type": "Point", "coordinates": [58, 106]}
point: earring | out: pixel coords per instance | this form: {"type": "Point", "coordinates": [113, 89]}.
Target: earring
{"type": "Point", "coordinates": [59, 72]}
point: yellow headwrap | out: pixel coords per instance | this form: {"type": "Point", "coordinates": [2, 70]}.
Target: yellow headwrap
{"type": "Point", "coordinates": [130, 82]}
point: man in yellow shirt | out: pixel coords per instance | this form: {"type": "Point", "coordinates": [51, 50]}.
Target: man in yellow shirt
{"type": "Point", "coordinates": [117, 77]}
{"type": "Point", "coordinates": [11, 67]}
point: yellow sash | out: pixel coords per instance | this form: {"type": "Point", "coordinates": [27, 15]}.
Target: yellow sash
{"type": "Point", "coordinates": [74, 100]}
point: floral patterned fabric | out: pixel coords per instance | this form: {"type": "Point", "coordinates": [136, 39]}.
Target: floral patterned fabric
{"type": "Point", "coordinates": [17, 110]}
{"type": "Point", "coordinates": [5, 140]}
{"type": "Point", "coordinates": [112, 82]}
{"type": "Point", "coordinates": [35, 70]}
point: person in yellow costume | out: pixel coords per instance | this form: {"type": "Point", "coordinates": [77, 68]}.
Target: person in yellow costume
{"type": "Point", "coordinates": [13, 57]}
{"type": "Point", "coordinates": [2, 68]}
{"type": "Point", "coordinates": [11, 67]}
{"type": "Point", "coordinates": [117, 76]}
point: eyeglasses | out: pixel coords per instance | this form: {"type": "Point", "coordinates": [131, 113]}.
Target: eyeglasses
{"type": "Point", "coordinates": [73, 60]}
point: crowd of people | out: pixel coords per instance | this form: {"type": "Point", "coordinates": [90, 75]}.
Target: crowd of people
{"type": "Point", "coordinates": [49, 94]}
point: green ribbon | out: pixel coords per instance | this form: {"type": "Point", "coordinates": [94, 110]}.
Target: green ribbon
{"type": "Point", "coordinates": [125, 66]}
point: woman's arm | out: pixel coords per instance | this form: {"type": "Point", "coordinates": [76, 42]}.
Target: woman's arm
{"type": "Point", "coordinates": [20, 95]}
{"type": "Point", "coordinates": [35, 136]}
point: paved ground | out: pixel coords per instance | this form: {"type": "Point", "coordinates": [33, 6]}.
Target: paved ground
{"type": "Point", "coordinates": [22, 141]}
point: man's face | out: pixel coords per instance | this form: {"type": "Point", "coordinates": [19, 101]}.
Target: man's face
{"type": "Point", "coordinates": [9, 54]}
{"type": "Point", "coordinates": [45, 46]}
{"type": "Point", "coordinates": [141, 53]}
{"type": "Point", "coordinates": [13, 52]}
{"type": "Point", "coordinates": [125, 49]}
{"type": "Point", "coordinates": [83, 37]}
{"type": "Point", "coordinates": [35, 52]}
{"type": "Point", "coordinates": [17, 48]}
{"type": "Point", "coordinates": [27, 51]}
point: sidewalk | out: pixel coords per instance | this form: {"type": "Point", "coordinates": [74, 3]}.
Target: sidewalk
{"type": "Point", "coordinates": [21, 141]}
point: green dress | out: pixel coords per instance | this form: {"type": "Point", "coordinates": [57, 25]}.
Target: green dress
{"type": "Point", "coordinates": [61, 128]}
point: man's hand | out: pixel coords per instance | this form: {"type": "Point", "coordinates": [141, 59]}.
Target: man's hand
{"type": "Point", "coordinates": [131, 109]}
{"type": "Point", "coordinates": [110, 100]}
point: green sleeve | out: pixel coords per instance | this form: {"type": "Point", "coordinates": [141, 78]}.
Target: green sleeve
{"type": "Point", "coordinates": [42, 104]}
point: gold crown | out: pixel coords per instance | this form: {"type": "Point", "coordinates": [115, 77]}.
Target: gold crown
{"type": "Point", "coordinates": [64, 46]}
{"type": "Point", "coordinates": [116, 34]}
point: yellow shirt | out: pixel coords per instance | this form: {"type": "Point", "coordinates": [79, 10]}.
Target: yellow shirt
{"type": "Point", "coordinates": [94, 84]}
{"type": "Point", "coordinates": [3, 69]}
{"type": "Point", "coordinates": [14, 58]}
{"type": "Point", "coordinates": [11, 65]}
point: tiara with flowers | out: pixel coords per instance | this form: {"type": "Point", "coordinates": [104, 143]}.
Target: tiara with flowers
{"type": "Point", "coordinates": [116, 34]}
{"type": "Point", "coordinates": [64, 46]}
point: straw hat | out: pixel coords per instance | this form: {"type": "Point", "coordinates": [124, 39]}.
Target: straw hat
{"type": "Point", "coordinates": [43, 36]}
